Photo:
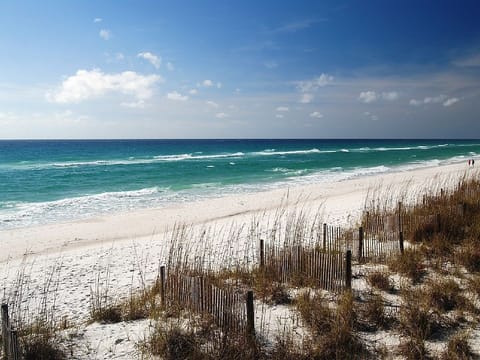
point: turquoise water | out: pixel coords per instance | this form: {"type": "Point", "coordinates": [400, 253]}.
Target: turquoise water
{"type": "Point", "coordinates": [48, 181]}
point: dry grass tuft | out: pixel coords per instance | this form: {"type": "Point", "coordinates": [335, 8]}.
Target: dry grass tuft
{"type": "Point", "coordinates": [413, 349]}
{"type": "Point", "coordinates": [445, 295]}
{"type": "Point", "coordinates": [458, 348]}
{"type": "Point", "coordinates": [410, 264]}
{"type": "Point", "coordinates": [381, 281]}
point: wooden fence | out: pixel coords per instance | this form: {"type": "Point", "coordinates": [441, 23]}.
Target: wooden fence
{"type": "Point", "coordinates": [330, 270]}
{"type": "Point", "coordinates": [228, 308]}
{"type": "Point", "coordinates": [11, 349]}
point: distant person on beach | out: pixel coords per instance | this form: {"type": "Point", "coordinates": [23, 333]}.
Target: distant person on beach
{"type": "Point", "coordinates": [469, 162]}
{"type": "Point", "coordinates": [473, 162]}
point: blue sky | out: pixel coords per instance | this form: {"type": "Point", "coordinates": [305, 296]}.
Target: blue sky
{"type": "Point", "coordinates": [230, 69]}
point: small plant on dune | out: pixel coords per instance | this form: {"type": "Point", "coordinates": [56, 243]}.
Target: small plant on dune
{"type": "Point", "coordinates": [417, 321]}
{"type": "Point", "coordinates": [39, 341]}
{"type": "Point", "coordinates": [315, 312]}
{"type": "Point", "coordinates": [444, 295]}
{"type": "Point", "coordinates": [380, 280]}
{"type": "Point", "coordinates": [469, 256]}
{"type": "Point", "coordinates": [372, 314]}
{"type": "Point", "coordinates": [413, 349]}
{"type": "Point", "coordinates": [409, 264]}
{"type": "Point", "coordinates": [333, 329]}
{"type": "Point", "coordinates": [341, 342]}
{"type": "Point", "coordinates": [173, 343]}
{"type": "Point", "coordinates": [458, 348]}
{"type": "Point", "coordinates": [474, 285]}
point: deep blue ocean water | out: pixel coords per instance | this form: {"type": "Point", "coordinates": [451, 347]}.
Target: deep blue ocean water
{"type": "Point", "coordinates": [48, 181]}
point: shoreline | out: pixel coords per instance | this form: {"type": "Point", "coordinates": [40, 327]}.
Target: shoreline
{"type": "Point", "coordinates": [340, 202]}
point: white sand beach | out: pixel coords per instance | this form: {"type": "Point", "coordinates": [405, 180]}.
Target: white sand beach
{"type": "Point", "coordinates": [340, 202]}
{"type": "Point", "coordinates": [129, 246]}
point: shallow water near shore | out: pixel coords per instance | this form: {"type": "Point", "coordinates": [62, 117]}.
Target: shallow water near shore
{"type": "Point", "coordinates": [43, 182]}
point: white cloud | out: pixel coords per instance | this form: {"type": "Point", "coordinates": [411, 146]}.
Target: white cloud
{"type": "Point", "coordinates": [177, 96]}
{"type": "Point", "coordinates": [105, 34]}
{"type": "Point", "coordinates": [451, 101]}
{"type": "Point", "coordinates": [221, 115]}
{"type": "Point", "coordinates": [219, 85]}
{"type": "Point", "coordinates": [207, 83]}
{"type": "Point", "coordinates": [170, 66]}
{"type": "Point", "coordinates": [368, 96]}
{"type": "Point", "coordinates": [306, 98]}
{"type": "Point", "coordinates": [371, 116]}
{"type": "Point", "coordinates": [119, 56]}
{"type": "Point", "coordinates": [432, 100]}
{"type": "Point", "coordinates": [193, 91]}
{"type": "Point", "coordinates": [314, 84]}
{"type": "Point", "coordinates": [153, 59]}
{"type": "Point", "coordinates": [282, 108]}
{"type": "Point", "coordinates": [212, 104]}
{"type": "Point", "coordinates": [316, 115]}
{"type": "Point", "coordinates": [97, 20]}
{"type": "Point", "coordinates": [86, 84]}
{"type": "Point", "coordinates": [279, 116]}
{"type": "Point", "coordinates": [140, 104]}
{"type": "Point", "coordinates": [390, 96]}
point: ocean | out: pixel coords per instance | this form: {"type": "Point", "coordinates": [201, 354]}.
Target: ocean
{"type": "Point", "coordinates": [44, 182]}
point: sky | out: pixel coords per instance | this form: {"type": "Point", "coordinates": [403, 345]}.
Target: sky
{"type": "Point", "coordinates": [239, 69]}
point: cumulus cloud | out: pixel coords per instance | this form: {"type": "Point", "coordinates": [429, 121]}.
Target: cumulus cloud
{"type": "Point", "coordinates": [306, 98]}
{"type": "Point", "coordinates": [282, 108]}
{"type": "Point", "coordinates": [432, 100]}
{"type": "Point", "coordinates": [140, 104]}
{"type": "Point", "coordinates": [207, 83]}
{"type": "Point", "coordinates": [87, 84]}
{"type": "Point", "coordinates": [221, 115]}
{"type": "Point", "coordinates": [314, 84]}
{"type": "Point", "coordinates": [368, 96]}
{"type": "Point", "coordinates": [176, 96]}
{"type": "Point", "coordinates": [97, 20]}
{"type": "Point", "coordinates": [212, 104]}
{"type": "Point", "coordinates": [316, 114]}
{"type": "Point", "coordinates": [105, 34]}
{"type": "Point", "coordinates": [450, 102]}
{"type": "Point", "coordinates": [153, 59]}
{"type": "Point", "coordinates": [193, 91]}
{"type": "Point", "coordinates": [414, 102]}
{"type": "Point", "coordinates": [371, 96]}
{"type": "Point", "coordinates": [371, 116]}
{"type": "Point", "coordinates": [390, 96]}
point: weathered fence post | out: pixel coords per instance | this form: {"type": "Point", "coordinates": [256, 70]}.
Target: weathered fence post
{"type": "Point", "coordinates": [9, 336]}
{"type": "Point", "coordinates": [262, 254]}
{"type": "Point", "coordinates": [5, 329]}
{"type": "Point", "coordinates": [324, 236]}
{"type": "Point", "coordinates": [439, 222]}
{"type": "Point", "coordinates": [400, 227]}
{"type": "Point", "coordinates": [360, 243]}
{"type": "Point", "coordinates": [401, 242]}
{"type": "Point", "coordinates": [348, 272]}
{"type": "Point", "coordinates": [14, 349]}
{"type": "Point", "coordinates": [250, 315]}
{"type": "Point", "coordinates": [162, 284]}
